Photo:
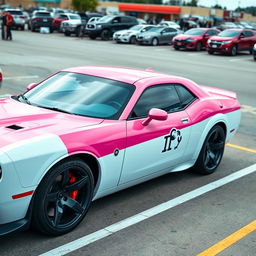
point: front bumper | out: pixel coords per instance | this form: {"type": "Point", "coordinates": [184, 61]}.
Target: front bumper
{"type": "Point", "coordinates": [12, 209]}
{"type": "Point", "coordinates": [15, 226]}
{"type": "Point", "coordinates": [219, 47]}
{"type": "Point", "coordinates": [69, 29]}
{"type": "Point", "coordinates": [185, 44]}
{"type": "Point", "coordinates": [121, 39]}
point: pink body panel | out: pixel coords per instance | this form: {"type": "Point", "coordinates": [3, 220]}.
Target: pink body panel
{"type": "Point", "coordinates": [101, 137]}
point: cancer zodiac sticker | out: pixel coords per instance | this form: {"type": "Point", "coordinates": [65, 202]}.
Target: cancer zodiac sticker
{"type": "Point", "coordinates": [172, 140]}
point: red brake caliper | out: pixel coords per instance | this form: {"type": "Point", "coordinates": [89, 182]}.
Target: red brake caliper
{"type": "Point", "coordinates": [73, 194]}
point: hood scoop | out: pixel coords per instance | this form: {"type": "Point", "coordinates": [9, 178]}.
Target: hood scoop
{"type": "Point", "coordinates": [14, 127]}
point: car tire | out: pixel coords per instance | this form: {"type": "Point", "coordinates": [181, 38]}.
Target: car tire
{"type": "Point", "coordinates": [233, 51]}
{"type": "Point", "coordinates": [66, 33]}
{"type": "Point", "coordinates": [176, 48]}
{"type": "Point", "coordinates": [254, 56]}
{"type": "Point", "coordinates": [133, 40]}
{"type": "Point", "coordinates": [198, 46]}
{"type": "Point", "coordinates": [211, 152]}
{"type": "Point", "coordinates": [105, 35]}
{"type": "Point", "coordinates": [78, 32]}
{"type": "Point", "coordinates": [154, 41]}
{"type": "Point", "coordinates": [210, 52]}
{"type": "Point", "coordinates": [63, 197]}
{"type": "Point", "coordinates": [22, 28]}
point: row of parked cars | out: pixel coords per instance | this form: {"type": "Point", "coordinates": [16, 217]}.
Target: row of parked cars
{"type": "Point", "coordinates": [126, 29]}
{"type": "Point", "coordinates": [228, 41]}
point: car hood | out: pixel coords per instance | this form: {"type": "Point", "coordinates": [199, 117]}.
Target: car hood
{"type": "Point", "coordinates": [219, 38]}
{"type": "Point", "coordinates": [127, 31]}
{"type": "Point", "coordinates": [20, 121]}
{"type": "Point", "coordinates": [75, 22]}
{"type": "Point", "coordinates": [184, 37]}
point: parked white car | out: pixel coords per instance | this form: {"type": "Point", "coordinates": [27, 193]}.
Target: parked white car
{"type": "Point", "coordinates": [129, 35]}
{"type": "Point", "coordinates": [170, 24]}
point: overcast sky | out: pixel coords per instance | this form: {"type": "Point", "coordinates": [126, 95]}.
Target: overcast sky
{"type": "Point", "coordinates": [230, 4]}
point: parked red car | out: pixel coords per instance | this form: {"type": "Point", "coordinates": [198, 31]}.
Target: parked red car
{"type": "Point", "coordinates": [194, 39]}
{"type": "Point", "coordinates": [64, 16]}
{"type": "Point", "coordinates": [231, 41]}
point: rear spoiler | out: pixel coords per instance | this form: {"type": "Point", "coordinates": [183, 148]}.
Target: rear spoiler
{"type": "Point", "coordinates": [217, 91]}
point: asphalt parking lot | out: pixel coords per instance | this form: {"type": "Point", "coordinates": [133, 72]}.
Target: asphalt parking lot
{"type": "Point", "coordinates": [186, 229]}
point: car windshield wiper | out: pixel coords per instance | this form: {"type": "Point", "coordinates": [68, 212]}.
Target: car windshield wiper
{"type": "Point", "coordinates": [56, 109]}
{"type": "Point", "coordinates": [24, 99]}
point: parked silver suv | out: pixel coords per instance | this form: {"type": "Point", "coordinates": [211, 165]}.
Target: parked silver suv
{"type": "Point", "coordinates": [18, 17]}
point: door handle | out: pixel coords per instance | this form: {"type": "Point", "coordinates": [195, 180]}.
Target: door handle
{"type": "Point", "coordinates": [184, 120]}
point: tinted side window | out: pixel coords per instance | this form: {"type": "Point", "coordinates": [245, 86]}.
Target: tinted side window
{"type": "Point", "coordinates": [172, 30]}
{"type": "Point", "coordinates": [186, 96]}
{"type": "Point", "coordinates": [162, 96]}
{"type": "Point", "coordinates": [248, 33]}
{"type": "Point", "coordinates": [126, 20]}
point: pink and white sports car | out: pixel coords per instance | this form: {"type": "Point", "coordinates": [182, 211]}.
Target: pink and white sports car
{"type": "Point", "coordinates": [86, 132]}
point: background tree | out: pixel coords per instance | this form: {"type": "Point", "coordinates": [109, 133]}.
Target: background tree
{"type": "Point", "coordinates": [85, 5]}
{"type": "Point", "coordinates": [191, 3]}
{"type": "Point", "coordinates": [216, 6]}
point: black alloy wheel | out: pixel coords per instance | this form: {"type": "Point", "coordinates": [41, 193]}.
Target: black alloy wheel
{"type": "Point", "coordinates": [63, 197]}
{"type": "Point", "coordinates": [105, 35]}
{"type": "Point", "coordinates": [233, 51]}
{"type": "Point", "coordinates": [133, 40]}
{"type": "Point", "coordinates": [155, 41]}
{"type": "Point", "coordinates": [212, 151]}
{"type": "Point", "coordinates": [199, 46]}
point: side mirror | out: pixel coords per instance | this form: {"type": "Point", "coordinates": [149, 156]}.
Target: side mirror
{"type": "Point", "coordinates": [206, 35]}
{"type": "Point", "coordinates": [31, 86]}
{"type": "Point", "coordinates": [241, 36]}
{"type": "Point", "coordinates": [155, 114]}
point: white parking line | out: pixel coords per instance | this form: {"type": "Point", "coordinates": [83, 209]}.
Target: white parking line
{"type": "Point", "coordinates": [18, 77]}
{"type": "Point", "coordinates": [236, 59]}
{"type": "Point", "coordinates": [5, 95]}
{"type": "Point", "coordinates": [107, 231]}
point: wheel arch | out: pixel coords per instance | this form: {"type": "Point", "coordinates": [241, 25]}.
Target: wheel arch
{"type": "Point", "coordinates": [219, 119]}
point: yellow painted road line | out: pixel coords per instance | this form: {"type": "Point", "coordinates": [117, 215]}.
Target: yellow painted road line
{"type": "Point", "coordinates": [225, 243]}
{"type": "Point", "coordinates": [241, 148]}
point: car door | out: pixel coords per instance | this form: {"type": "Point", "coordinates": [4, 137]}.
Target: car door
{"type": "Point", "coordinates": [117, 24]}
{"type": "Point", "coordinates": [249, 39]}
{"type": "Point", "coordinates": [160, 145]}
{"type": "Point", "coordinates": [165, 36]}
{"type": "Point", "coordinates": [242, 43]}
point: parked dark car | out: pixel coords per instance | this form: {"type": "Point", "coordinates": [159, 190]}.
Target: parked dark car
{"type": "Point", "coordinates": [40, 19]}
{"type": "Point", "coordinates": [157, 35]}
{"type": "Point", "coordinates": [194, 39]}
{"type": "Point", "coordinates": [231, 41]}
{"type": "Point", "coordinates": [107, 25]}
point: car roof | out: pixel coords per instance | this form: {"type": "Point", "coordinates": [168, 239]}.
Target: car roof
{"type": "Point", "coordinates": [126, 75]}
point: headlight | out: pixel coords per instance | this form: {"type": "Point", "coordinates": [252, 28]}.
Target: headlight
{"type": "Point", "coordinates": [98, 26]}
{"type": "Point", "coordinates": [254, 47]}
{"type": "Point", "coordinates": [209, 41]}
{"type": "Point", "coordinates": [147, 37]}
{"type": "Point", "coordinates": [191, 40]}
{"type": "Point", "coordinates": [226, 42]}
